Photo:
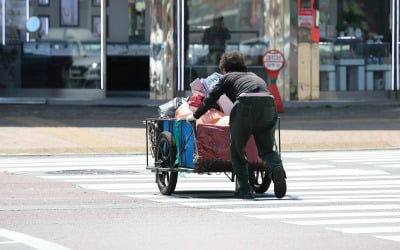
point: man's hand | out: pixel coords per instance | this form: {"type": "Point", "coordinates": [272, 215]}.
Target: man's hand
{"type": "Point", "coordinates": [190, 118]}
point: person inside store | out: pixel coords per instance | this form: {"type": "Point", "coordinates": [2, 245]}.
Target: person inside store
{"type": "Point", "coordinates": [215, 37]}
{"type": "Point", "coordinates": [253, 113]}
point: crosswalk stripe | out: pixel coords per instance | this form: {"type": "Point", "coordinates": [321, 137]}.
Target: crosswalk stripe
{"type": "Point", "coordinates": [68, 162]}
{"type": "Point", "coordinates": [351, 154]}
{"type": "Point", "coordinates": [390, 237]}
{"type": "Point", "coordinates": [113, 180]}
{"type": "Point", "coordinates": [334, 172]}
{"type": "Point", "coordinates": [346, 183]}
{"type": "Point", "coordinates": [366, 186]}
{"type": "Point", "coordinates": [309, 166]}
{"type": "Point", "coordinates": [342, 192]}
{"type": "Point", "coordinates": [89, 177]}
{"type": "Point", "coordinates": [346, 221]}
{"type": "Point", "coordinates": [28, 240]}
{"type": "Point", "coordinates": [367, 230]}
{"type": "Point", "coordinates": [369, 196]}
{"type": "Point", "coordinates": [351, 192]}
{"type": "Point", "coordinates": [145, 185]}
{"type": "Point", "coordinates": [351, 178]}
{"type": "Point", "coordinates": [53, 169]}
{"type": "Point", "coordinates": [369, 161]}
{"type": "Point", "coordinates": [137, 177]}
{"type": "Point", "coordinates": [144, 190]}
{"type": "Point", "coordinates": [216, 185]}
{"type": "Point", "coordinates": [395, 165]}
{"type": "Point", "coordinates": [391, 162]}
{"type": "Point", "coordinates": [270, 201]}
{"type": "Point", "coordinates": [310, 208]}
{"type": "Point", "coordinates": [324, 215]}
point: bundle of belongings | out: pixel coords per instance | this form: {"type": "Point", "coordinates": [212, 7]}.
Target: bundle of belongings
{"type": "Point", "coordinates": [212, 129]}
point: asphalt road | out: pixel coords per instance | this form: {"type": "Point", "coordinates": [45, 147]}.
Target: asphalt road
{"type": "Point", "coordinates": [87, 210]}
{"type": "Point", "coordinates": [81, 218]}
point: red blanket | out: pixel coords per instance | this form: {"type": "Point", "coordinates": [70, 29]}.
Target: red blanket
{"type": "Point", "coordinates": [213, 144]}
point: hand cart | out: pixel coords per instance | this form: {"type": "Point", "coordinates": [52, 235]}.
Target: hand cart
{"type": "Point", "coordinates": [174, 149]}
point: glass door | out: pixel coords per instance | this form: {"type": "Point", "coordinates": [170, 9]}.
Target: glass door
{"type": "Point", "coordinates": [127, 39]}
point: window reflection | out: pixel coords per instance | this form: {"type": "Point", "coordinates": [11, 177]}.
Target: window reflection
{"type": "Point", "coordinates": [63, 53]}
{"type": "Point", "coordinates": [69, 58]}
{"type": "Point", "coordinates": [137, 20]}
{"type": "Point", "coordinates": [243, 30]}
{"type": "Point", "coordinates": [355, 34]}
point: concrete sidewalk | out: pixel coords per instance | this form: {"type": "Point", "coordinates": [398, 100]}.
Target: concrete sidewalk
{"type": "Point", "coordinates": [116, 126]}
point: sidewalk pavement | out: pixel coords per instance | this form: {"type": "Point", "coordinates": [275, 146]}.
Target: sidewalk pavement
{"type": "Point", "coordinates": [115, 125]}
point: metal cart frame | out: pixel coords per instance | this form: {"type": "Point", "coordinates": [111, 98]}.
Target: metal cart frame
{"type": "Point", "coordinates": [172, 144]}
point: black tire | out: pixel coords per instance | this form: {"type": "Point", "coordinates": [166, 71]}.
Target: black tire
{"type": "Point", "coordinates": [165, 158]}
{"type": "Point", "coordinates": [259, 180]}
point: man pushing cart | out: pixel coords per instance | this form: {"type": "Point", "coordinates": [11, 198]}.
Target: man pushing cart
{"type": "Point", "coordinates": [251, 127]}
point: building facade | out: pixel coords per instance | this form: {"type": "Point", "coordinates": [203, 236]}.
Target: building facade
{"type": "Point", "coordinates": [334, 49]}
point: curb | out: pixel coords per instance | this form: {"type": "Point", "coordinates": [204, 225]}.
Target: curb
{"type": "Point", "coordinates": [146, 102]}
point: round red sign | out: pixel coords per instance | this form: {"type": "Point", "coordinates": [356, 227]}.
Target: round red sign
{"type": "Point", "coordinates": [273, 60]}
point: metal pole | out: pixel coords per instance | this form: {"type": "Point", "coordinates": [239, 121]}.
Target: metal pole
{"type": "Point", "coordinates": [147, 143]}
{"type": "Point", "coordinates": [397, 55]}
{"type": "Point", "coordinates": [3, 21]}
{"type": "Point", "coordinates": [395, 45]}
{"type": "Point", "coordinates": [103, 49]}
{"type": "Point", "coordinates": [180, 30]}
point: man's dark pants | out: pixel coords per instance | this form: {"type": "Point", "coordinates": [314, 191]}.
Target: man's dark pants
{"type": "Point", "coordinates": [255, 116]}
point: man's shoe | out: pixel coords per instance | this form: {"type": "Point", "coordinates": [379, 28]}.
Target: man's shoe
{"type": "Point", "coordinates": [279, 179]}
{"type": "Point", "coordinates": [247, 196]}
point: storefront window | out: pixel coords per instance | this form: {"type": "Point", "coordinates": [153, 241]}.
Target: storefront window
{"type": "Point", "coordinates": [62, 51]}
{"type": "Point", "coordinates": [356, 44]}
{"type": "Point", "coordinates": [218, 26]}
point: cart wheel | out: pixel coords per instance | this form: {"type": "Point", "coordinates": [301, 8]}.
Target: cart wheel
{"type": "Point", "coordinates": [165, 158]}
{"type": "Point", "coordinates": [259, 180]}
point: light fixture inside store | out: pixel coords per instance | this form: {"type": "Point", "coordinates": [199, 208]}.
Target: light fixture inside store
{"type": "Point", "coordinates": [33, 24]}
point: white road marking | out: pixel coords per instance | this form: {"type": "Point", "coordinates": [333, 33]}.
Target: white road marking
{"type": "Point", "coordinates": [270, 201]}
{"type": "Point", "coordinates": [367, 230]}
{"type": "Point", "coordinates": [309, 208]}
{"type": "Point", "coordinates": [31, 241]}
{"type": "Point", "coordinates": [389, 237]}
{"type": "Point", "coordinates": [279, 216]}
{"type": "Point", "coordinates": [346, 221]}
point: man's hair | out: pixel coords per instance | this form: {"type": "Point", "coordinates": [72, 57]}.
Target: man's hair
{"type": "Point", "coordinates": [232, 61]}
{"type": "Point", "coordinates": [218, 18]}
